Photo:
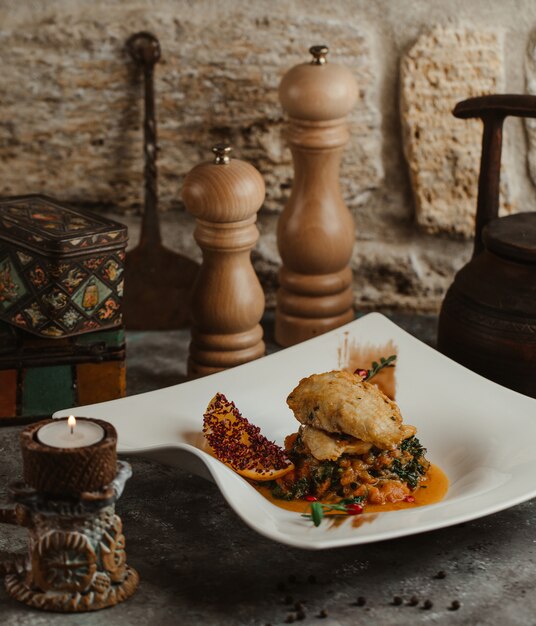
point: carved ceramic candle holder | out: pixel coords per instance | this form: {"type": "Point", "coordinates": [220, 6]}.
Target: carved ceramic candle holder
{"type": "Point", "coordinates": [76, 548]}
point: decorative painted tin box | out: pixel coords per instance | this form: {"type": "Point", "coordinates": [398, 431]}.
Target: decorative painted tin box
{"type": "Point", "coordinates": [61, 284]}
{"type": "Point", "coordinates": [60, 268]}
{"type": "Point", "coordinates": [39, 376]}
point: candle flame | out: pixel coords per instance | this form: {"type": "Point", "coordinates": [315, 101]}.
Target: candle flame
{"type": "Point", "coordinates": [71, 422]}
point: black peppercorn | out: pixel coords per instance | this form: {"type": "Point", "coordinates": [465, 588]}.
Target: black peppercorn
{"type": "Point", "coordinates": [428, 604]}
{"type": "Point", "coordinates": [397, 601]}
{"type": "Point", "coordinates": [455, 605]}
{"type": "Point", "coordinates": [323, 613]}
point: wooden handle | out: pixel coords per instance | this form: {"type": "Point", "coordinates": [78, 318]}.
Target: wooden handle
{"type": "Point", "coordinates": [492, 110]}
{"type": "Point", "coordinates": [144, 48]}
{"type": "Point", "coordinates": [505, 105]}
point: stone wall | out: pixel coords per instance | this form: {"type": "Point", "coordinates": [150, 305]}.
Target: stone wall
{"type": "Point", "coordinates": [70, 116]}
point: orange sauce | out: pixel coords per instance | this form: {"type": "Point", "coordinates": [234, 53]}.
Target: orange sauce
{"type": "Point", "coordinates": [431, 490]}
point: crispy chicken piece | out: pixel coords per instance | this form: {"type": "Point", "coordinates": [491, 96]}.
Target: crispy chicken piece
{"type": "Point", "coordinates": [329, 447]}
{"type": "Point", "coordinates": [341, 402]}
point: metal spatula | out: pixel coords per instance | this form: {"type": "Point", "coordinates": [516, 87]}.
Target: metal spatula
{"type": "Point", "coordinates": [157, 280]}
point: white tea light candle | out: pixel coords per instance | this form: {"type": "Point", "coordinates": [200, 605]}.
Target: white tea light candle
{"type": "Point", "coordinates": [69, 464]}
{"type": "Point", "coordinates": [70, 433]}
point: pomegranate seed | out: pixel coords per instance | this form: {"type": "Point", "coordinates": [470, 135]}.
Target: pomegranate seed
{"type": "Point", "coordinates": [409, 499]}
{"type": "Point", "coordinates": [311, 499]}
{"type": "Point", "coordinates": [354, 509]}
{"type": "Point", "coordinates": [362, 373]}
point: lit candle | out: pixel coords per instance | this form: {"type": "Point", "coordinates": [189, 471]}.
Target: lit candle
{"type": "Point", "coordinates": [70, 433]}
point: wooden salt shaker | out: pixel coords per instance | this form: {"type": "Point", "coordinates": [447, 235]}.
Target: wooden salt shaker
{"type": "Point", "coordinates": [316, 231]}
{"type": "Point", "coordinates": [227, 301]}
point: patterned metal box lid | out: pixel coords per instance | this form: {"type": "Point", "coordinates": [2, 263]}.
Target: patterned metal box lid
{"type": "Point", "coordinates": [48, 227]}
{"type": "Point", "coordinates": [61, 269]}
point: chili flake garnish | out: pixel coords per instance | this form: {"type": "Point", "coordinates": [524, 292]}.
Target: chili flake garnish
{"type": "Point", "coordinates": [241, 445]}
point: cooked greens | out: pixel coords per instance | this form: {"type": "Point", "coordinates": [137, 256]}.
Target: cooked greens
{"type": "Point", "coordinates": [411, 471]}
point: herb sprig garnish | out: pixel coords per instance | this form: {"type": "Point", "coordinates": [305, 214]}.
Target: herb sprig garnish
{"type": "Point", "coordinates": [347, 506]}
{"type": "Point", "coordinates": [376, 367]}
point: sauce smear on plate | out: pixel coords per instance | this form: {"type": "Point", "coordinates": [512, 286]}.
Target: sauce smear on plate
{"type": "Point", "coordinates": [433, 490]}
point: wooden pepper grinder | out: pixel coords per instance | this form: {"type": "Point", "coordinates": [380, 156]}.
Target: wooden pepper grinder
{"type": "Point", "coordinates": [316, 231]}
{"type": "Point", "coordinates": [228, 301]}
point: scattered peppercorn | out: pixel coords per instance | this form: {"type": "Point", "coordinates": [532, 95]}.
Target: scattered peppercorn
{"type": "Point", "coordinates": [300, 615]}
{"type": "Point", "coordinates": [323, 613]}
{"type": "Point", "coordinates": [455, 605]}
{"type": "Point", "coordinates": [440, 575]}
{"type": "Point", "coordinates": [290, 619]}
{"type": "Point", "coordinates": [428, 604]}
{"type": "Point", "coordinates": [361, 601]}
{"type": "Point", "coordinates": [289, 599]}
{"type": "Point", "coordinates": [298, 606]}
{"type": "Point", "coordinates": [413, 601]}
{"type": "Point", "coordinates": [312, 579]}
{"type": "Point", "coordinates": [397, 601]}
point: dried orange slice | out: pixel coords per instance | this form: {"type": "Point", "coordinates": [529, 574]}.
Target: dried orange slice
{"type": "Point", "coordinates": [240, 445]}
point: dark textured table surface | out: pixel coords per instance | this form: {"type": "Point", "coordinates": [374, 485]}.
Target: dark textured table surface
{"type": "Point", "coordinates": [199, 563]}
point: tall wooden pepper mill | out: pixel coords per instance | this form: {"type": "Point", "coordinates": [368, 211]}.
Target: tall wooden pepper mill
{"type": "Point", "coordinates": [316, 231]}
{"type": "Point", "coordinates": [228, 301]}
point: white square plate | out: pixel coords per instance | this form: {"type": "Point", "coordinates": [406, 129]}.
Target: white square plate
{"type": "Point", "coordinates": [482, 435]}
